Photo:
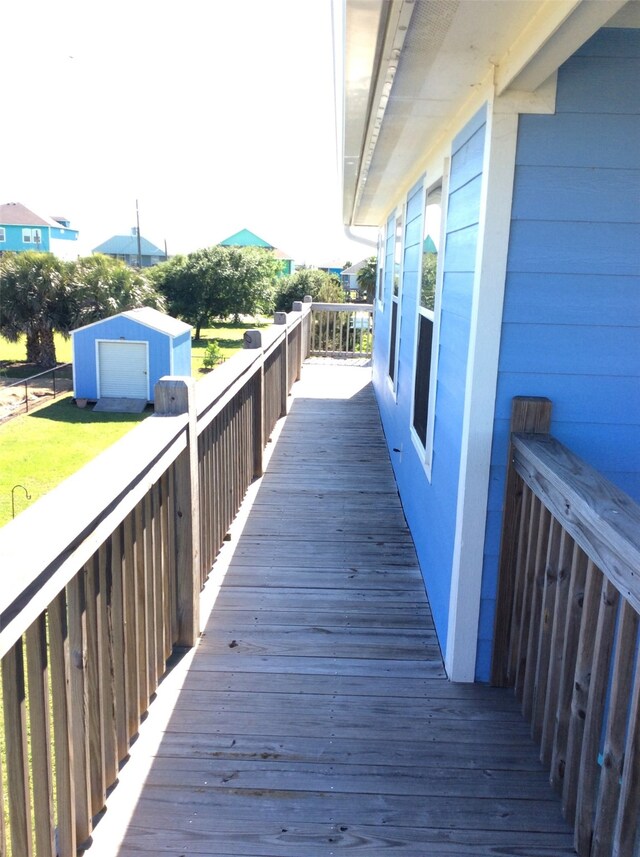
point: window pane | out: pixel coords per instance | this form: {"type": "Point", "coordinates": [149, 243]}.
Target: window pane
{"type": "Point", "coordinates": [431, 240]}
{"type": "Point", "coordinates": [398, 256]}
{"type": "Point", "coordinates": [423, 376]}
{"type": "Point", "coordinates": [392, 348]}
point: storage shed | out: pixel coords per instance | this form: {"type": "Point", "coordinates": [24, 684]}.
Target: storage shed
{"type": "Point", "coordinates": [124, 356]}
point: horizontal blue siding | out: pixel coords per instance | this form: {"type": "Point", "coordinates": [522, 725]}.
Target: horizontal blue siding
{"type": "Point", "coordinates": [571, 325]}
{"type": "Point", "coordinates": [430, 506]}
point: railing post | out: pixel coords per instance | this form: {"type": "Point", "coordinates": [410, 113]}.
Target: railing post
{"type": "Point", "coordinates": [281, 318]}
{"type": "Point", "coordinates": [531, 415]}
{"type": "Point", "coordinates": [253, 339]}
{"type": "Point", "coordinates": [173, 396]}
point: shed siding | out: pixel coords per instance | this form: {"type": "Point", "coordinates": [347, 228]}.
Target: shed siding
{"type": "Point", "coordinates": [430, 507]}
{"type": "Point", "coordinates": [571, 324]}
{"type": "Point", "coordinates": [182, 354]}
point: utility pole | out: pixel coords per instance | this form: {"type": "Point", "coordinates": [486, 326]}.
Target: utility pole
{"type": "Point", "coordinates": [138, 231]}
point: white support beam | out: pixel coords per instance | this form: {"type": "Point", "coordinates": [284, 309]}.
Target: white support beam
{"type": "Point", "coordinates": [480, 393]}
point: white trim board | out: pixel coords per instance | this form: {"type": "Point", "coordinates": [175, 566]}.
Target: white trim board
{"type": "Point", "coordinates": [480, 393]}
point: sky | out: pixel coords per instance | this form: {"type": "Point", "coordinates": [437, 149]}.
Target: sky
{"type": "Point", "coordinates": [216, 115]}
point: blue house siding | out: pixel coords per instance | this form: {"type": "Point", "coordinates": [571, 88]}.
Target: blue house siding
{"type": "Point", "coordinates": [182, 354]}
{"type": "Point", "coordinates": [431, 506]}
{"type": "Point", "coordinates": [571, 324]}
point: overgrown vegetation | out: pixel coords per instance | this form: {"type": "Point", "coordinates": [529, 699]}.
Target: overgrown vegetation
{"type": "Point", "coordinates": [308, 281]}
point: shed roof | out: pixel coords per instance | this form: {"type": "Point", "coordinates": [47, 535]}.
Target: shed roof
{"type": "Point", "coordinates": [148, 317]}
{"type": "Point", "coordinates": [127, 245]}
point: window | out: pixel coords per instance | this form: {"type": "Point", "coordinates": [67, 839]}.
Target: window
{"type": "Point", "coordinates": [3, 236]}
{"type": "Point", "coordinates": [430, 245]}
{"type": "Point", "coordinates": [395, 295]}
{"type": "Point", "coordinates": [32, 236]}
{"type": "Point", "coordinates": [381, 255]}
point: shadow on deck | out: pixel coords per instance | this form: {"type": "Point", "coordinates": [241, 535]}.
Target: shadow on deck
{"type": "Point", "coordinates": [315, 717]}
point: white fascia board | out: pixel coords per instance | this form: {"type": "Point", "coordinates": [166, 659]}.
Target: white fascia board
{"type": "Point", "coordinates": [480, 393]}
{"type": "Point", "coordinates": [555, 32]}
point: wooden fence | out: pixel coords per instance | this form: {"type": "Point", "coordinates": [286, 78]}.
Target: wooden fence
{"type": "Point", "coordinates": [101, 582]}
{"type": "Point", "coordinates": [566, 635]}
{"type": "Point", "coordinates": [341, 330]}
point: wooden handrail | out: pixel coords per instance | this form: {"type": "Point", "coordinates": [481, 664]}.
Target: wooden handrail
{"type": "Point", "coordinates": [602, 519]}
{"type": "Point", "coordinates": [566, 629]}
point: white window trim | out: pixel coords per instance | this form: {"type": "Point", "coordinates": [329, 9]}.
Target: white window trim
{"type": "Point", "coordinates": [26, 236]}
{"type": "Point", "coordinates": [3, 234]}
{"type": "Point", "coordinates": [382, 257]}
{"type": "Point", "coordinates": [401, 210]}
{"type": "Point", "coordinates": [425, 452]}
{"type": "Point", "coordinates": [480, 393]}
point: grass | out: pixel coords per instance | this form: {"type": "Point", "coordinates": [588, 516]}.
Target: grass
{"type": "Point", "coordinates": [40, 449]}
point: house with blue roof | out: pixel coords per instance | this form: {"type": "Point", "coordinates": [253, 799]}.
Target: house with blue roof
{"type": "Point", "coordinates": [22, 229]}
{"type": "Point", "coordinates": [126, 248]}
{"type": "Point", "coordinates": [496, 146]}
{"type": "Point", "coordinates": [246, 238]}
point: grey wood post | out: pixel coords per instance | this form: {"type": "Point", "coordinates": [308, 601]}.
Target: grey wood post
{"type": "Point", "coordinates": [302, 339]}
{"type": "Point", "coordinates": [173, 396]}
{"type": "Point", "coordinates": [253, 339]}
{"type": "Point", "coordinates": [281, 318]}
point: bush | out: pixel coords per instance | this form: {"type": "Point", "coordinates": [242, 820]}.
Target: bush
{"type": "Point", "coordinates": [213, 355]}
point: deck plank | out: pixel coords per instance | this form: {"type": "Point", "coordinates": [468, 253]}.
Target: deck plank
{"type": "Point", "coordinates": [315, 717]}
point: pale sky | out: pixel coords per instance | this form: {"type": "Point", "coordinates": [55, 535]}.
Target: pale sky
{"type": "Point", "coordinates": [215, 114]}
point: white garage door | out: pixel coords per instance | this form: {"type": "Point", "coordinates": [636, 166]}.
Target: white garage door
{"type": "Point", "coordinates": [122, 370]}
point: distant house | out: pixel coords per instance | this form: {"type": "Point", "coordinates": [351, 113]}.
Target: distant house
{"type": "Point", "coordinates": [333, 267]}
{"type": "Point", "coordinates": [125, 355]}
{"type": "Point", "coordinates": [349, 277]}
{"type": "Point", "coordinates": [125, 248]}
{"type": "Point", "coordinates": [22, 229]}
{"type": "Point", "coordinates": [245, 238]}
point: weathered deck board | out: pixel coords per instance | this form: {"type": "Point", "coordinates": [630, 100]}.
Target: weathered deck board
{"type": "Point", "coordinates": [315, 717]}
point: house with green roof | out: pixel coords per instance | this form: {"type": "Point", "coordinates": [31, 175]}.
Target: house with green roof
{"type": "Point", "coordinates": [246, 238]}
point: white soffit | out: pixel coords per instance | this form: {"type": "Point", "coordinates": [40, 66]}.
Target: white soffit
{"type": "Point", "coordinates": [451, 49]}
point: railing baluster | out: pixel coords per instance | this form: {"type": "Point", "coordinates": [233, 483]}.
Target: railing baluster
{"type": "Point", "coordinates": [93, 691]}
{"type": "Point", "coordinates": [626, 829]}
{"type": "Point", "coordinates": [15, 726]}
{"type": "Point", "coordinates": [120, 657]}
{"type": "Point", "coordinates": [565, 565]}
{"type": "Point", "coordinates": [614, 743]}
{"type": "Point", "coordinates": [62, 727]}
{"type": "Point", "coordinates": [130, 620]}
{"type": "Point", "coordinates": [79, 704]}
{"type": "Point", "coordinates": [107, 666]}
{"type": "Point", "coordinates": [594, 715]}
{"type": "Point", "coordinates": [569, 655]}
{"type": "Point", "coordinates": [546, 626]}
{"type": "Point", "coordinates": [537, 583]}
{"type": "Point", "coordinates": [40, 739]}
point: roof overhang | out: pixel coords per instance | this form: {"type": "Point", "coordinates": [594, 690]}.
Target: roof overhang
{"type": "Point", "coordinates": [411, 66]}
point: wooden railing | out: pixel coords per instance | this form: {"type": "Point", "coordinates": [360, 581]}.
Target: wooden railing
{"type": "Point", "coordinates": [341, 330]}
{"type": "Point", "coordinates": [101, 582]}
{"type": "Point", "coordinates": [566, 633]}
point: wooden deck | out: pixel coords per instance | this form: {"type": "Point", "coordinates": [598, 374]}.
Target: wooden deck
{"type": "Point", "coordinates": [315, 717]}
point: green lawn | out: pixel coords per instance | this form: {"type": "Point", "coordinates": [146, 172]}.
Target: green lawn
{"type": "Point", "coordinates": [40, 449]}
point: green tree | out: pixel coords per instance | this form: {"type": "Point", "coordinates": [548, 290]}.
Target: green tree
{"type": "Point", "coordinates": [34, 301]}
{"type": "Point", "coordinates": [366, 278]}
{"type": "Point", "coordinates": [308, 281]}
{"type": "Point", "coordinates": [217, 282]}
{"type": "Point", "coordinates": [102, 286]}
{"type": "Point", "coordinates": [40, 295]}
